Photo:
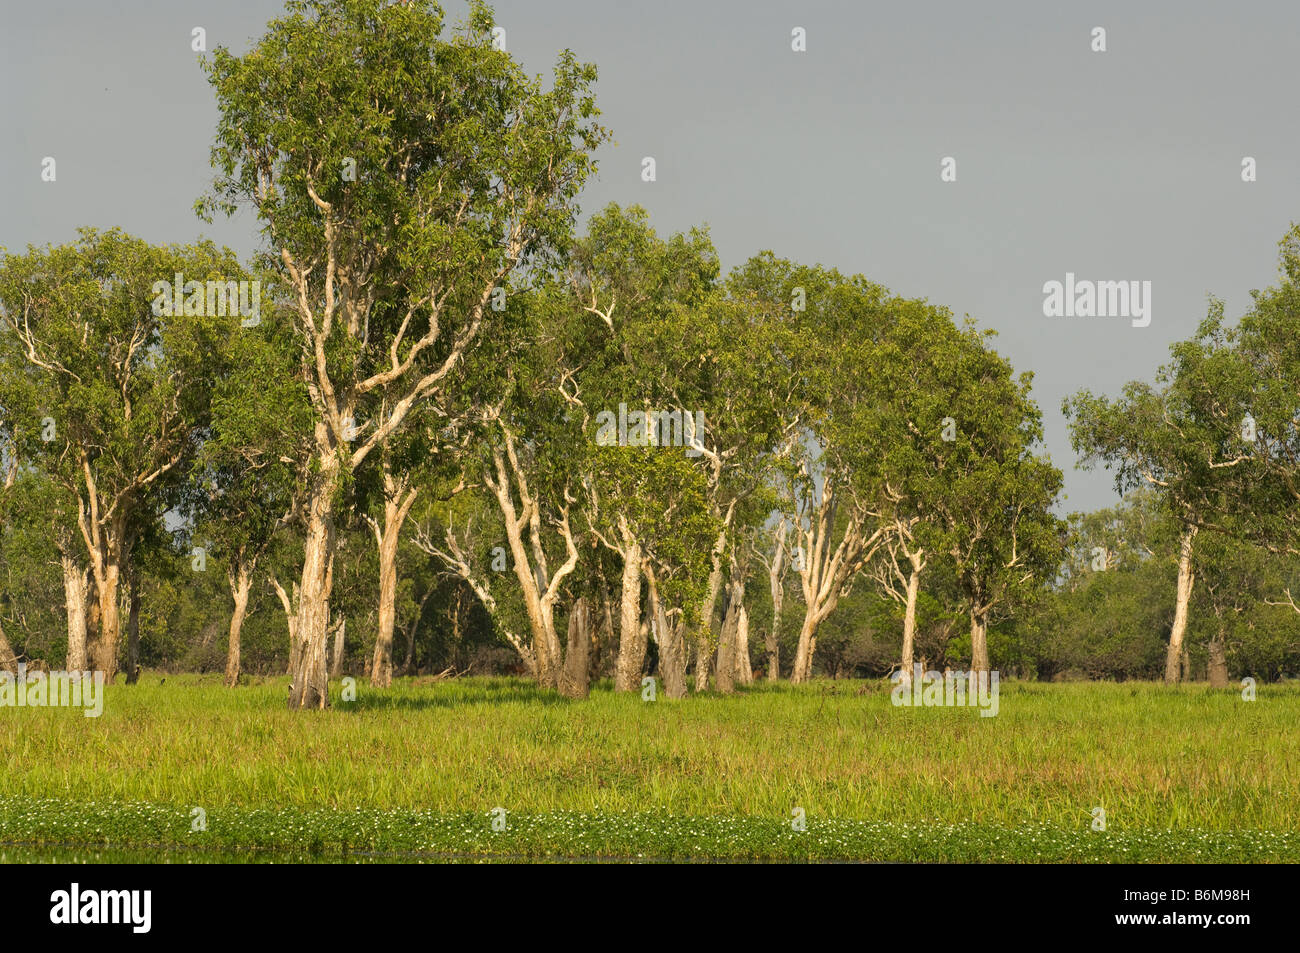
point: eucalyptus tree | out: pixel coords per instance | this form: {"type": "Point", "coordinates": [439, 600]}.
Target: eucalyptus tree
{"type": "Point", "coordinates": [400, 177]}
{"type": "Point", "coordinates": [906, 453]}
{"type": "Point", "coordinates": [778, 567]}
{"type": "Point", "coordinates": [116, 389]}
{"type": "Point", "coordinates": [654, 348]}
{"type": "Point", "coordinates": [824, 327]}
{"type": "Point", "coordinates": [525, 454]}
{"type": "Point", "coordinates": [728, 364]}
{"type": "Point", "coordinates": [995, 511]}
{"type": "Point", "coordinates": [31, 615]}
{"type": "Point", "coordinates": [247, 480]}
{"type": "Point", "coordinates": [1250, 378]}
{"type": "Point", "coordinates": [391, 487]}
{"type": "Point", "coordinates": [1185, 438]}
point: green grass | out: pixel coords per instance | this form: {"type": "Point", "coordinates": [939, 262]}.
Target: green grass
{"type": "Point", "coordinates": [1183, 775]}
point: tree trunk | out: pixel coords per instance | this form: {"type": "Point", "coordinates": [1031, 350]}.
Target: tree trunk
{"type": "Point", "coordinates": [110, 623]}
{"type": "Point", "coordinates": [310, 687]}
{"type": "Point", "coordinates": [340, 634]}
{"type": "Point", "coordinates": [776, 583]}
{"type": "Point", "coordinates": [728, 637]}
{"type": "Point", "coordinates": [1186, 577]}
{"type": "Point", "coordinates": [703, 658]}
{"type": "Point", "coordinates": [604, 640]}
{"type": "Point", "coordinates": [1218, 663]}
{"type": "Point", "coordinates": [8, 660]}
{"type": "Point", "coordinates": [291, 619]}
{"type": "Point", "coordinates": [979, 646]}
{"type": "Point", "coordinates": [573, 680]}
{"type": "Point", "coordinates": [744, 672]}
{"type": "Point", "coordinates": [133, 629]}
{"type": "Point", "coordinates": [726, 673]}
{"type": "Point", "coordinates": [74, 594]}
{"type": "Point", "coordinates": [772, 641]}
{"type": "Point", "coordinates": [631, 636]}
{"type": "Point", "coordinates": [672, 648]}
{"type": "Point", "coordinates": [397, 504]}
{"type": "Point", "coordinates": [807, 645]}
{"type": "Point", "coordinates": [704, 638]}
{"type": "Point", "coordinates": [240, 581]}
{"type": "Point", "coordinates": [909, 624]}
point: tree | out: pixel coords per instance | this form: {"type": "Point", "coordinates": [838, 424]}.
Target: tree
{"type": "Point", "coordinates": [401, 177]}
{"type": "Point", "coordinates": [114, 391]}
{"type": "Point", "coordinates": [1176, 438]}
{"type": "Point", "coordinates": [246, 483]}
{"type": "Point", "coordinates": [996, 514]}
{"type": "Point", "coordinates": [823, 347]}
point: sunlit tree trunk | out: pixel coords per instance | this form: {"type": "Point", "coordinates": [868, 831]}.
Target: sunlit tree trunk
{"type": "Point", "coordinates": [776, 582]}
{"type": "Point", "coordinates": [979, 646]}
{"type": "Point", "coordinates": [310, 676]}
{"type": "Point", "coordinates": [909, 616]}
{"type": "Point", "coordinates": [672, 647]}
{"type": "Point", "coordinates": [240, 579]}
{"type": "Point", "coordinates": [133, 628]}
{"type": "Point", "coordinates": [397, 504]}
{"type": "Point", "coordinates": [704, 637]}
{"type": "Point", "coordinates": [74, 595]}
{"type": "Point", "coordinates": [573, 679]}
{"type": "Point", "coordinates": [1183, 598]}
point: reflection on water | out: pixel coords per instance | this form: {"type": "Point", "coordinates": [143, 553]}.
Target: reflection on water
{"type": "Point", "coordinates": [41, 854]}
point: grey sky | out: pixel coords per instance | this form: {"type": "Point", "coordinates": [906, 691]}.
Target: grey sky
{"type": "Point", "coordinates": [1123, 165]}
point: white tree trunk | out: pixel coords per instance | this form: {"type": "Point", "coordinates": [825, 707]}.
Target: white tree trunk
{"type": "Point", "coordinates": [909, 621]}
{"type": "Point", "coordinates": [74, 594]}
{"type": "Point", "coordinates": [631, 635]}
{"type": "Point", "coordinates": [397, 504]}
{"type": "Point", "coordinates": [979, 646]}
{"type": "Point", "coordinates": [241, 581]}
{"type": "Point", "coordinates": [1173, 658]}
{"type": "Point", "coordinates": [311, 630]}
{"type": "Point", "coordinates": [744, 674]}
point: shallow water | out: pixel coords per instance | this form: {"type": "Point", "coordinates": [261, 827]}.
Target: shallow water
{"type": "Point", "coordinates": [56, 854]}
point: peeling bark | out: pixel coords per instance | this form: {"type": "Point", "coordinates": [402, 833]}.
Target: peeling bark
{"type": "Point", "coordinates": [240, 580]}
{"type": "Point", "coordinates": [573, 679]}
{"type": "Point", "coordinates": [74, 594]}
{"type": "Point", "coordinates": [398, 499]}
{"type": "Point", "coordinates": [1183, 597]}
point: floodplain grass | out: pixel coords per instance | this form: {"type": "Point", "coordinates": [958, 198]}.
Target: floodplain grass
{"type": "Point", "coordinates": [1183, 774]}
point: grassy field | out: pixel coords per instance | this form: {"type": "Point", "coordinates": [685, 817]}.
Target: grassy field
{"type": "Point", "coordinates": [1183, 775]}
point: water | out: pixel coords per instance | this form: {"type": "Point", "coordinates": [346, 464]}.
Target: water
{"type": "Point", "coordinates": [58, 854]}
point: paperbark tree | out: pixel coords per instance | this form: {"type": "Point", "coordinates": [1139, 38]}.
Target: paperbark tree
{"type": "Point", "coordinates": [829, 499]}
{"type": "Point", "coordinates": [398, 498]}
{"type": "Point", "coordinates": [1247, 379]}
{"type": "Point", "coordinates": [117, 391]}
{"type": "Point", "coordinates": [247, 482]}
{"type": "Point", "coordinates": [898, 573]}
{"type": "Point", "coordinates": [401, 177]}
{"type": "Point", "coordinates": [777, 566]}
{"type": "Point", "coordinates": [1175, 438]}
{"type": "Point", "coordinates": [733, 639]}
{"type": "Point", "coordinates": [996, 514]}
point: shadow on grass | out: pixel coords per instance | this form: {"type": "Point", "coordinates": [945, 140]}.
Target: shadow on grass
{"type": "Point", "coordinates": [450, 694]}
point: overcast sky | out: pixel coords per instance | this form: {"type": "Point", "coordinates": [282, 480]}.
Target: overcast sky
{"type": "Point", "coordinates": [1115, 165]}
